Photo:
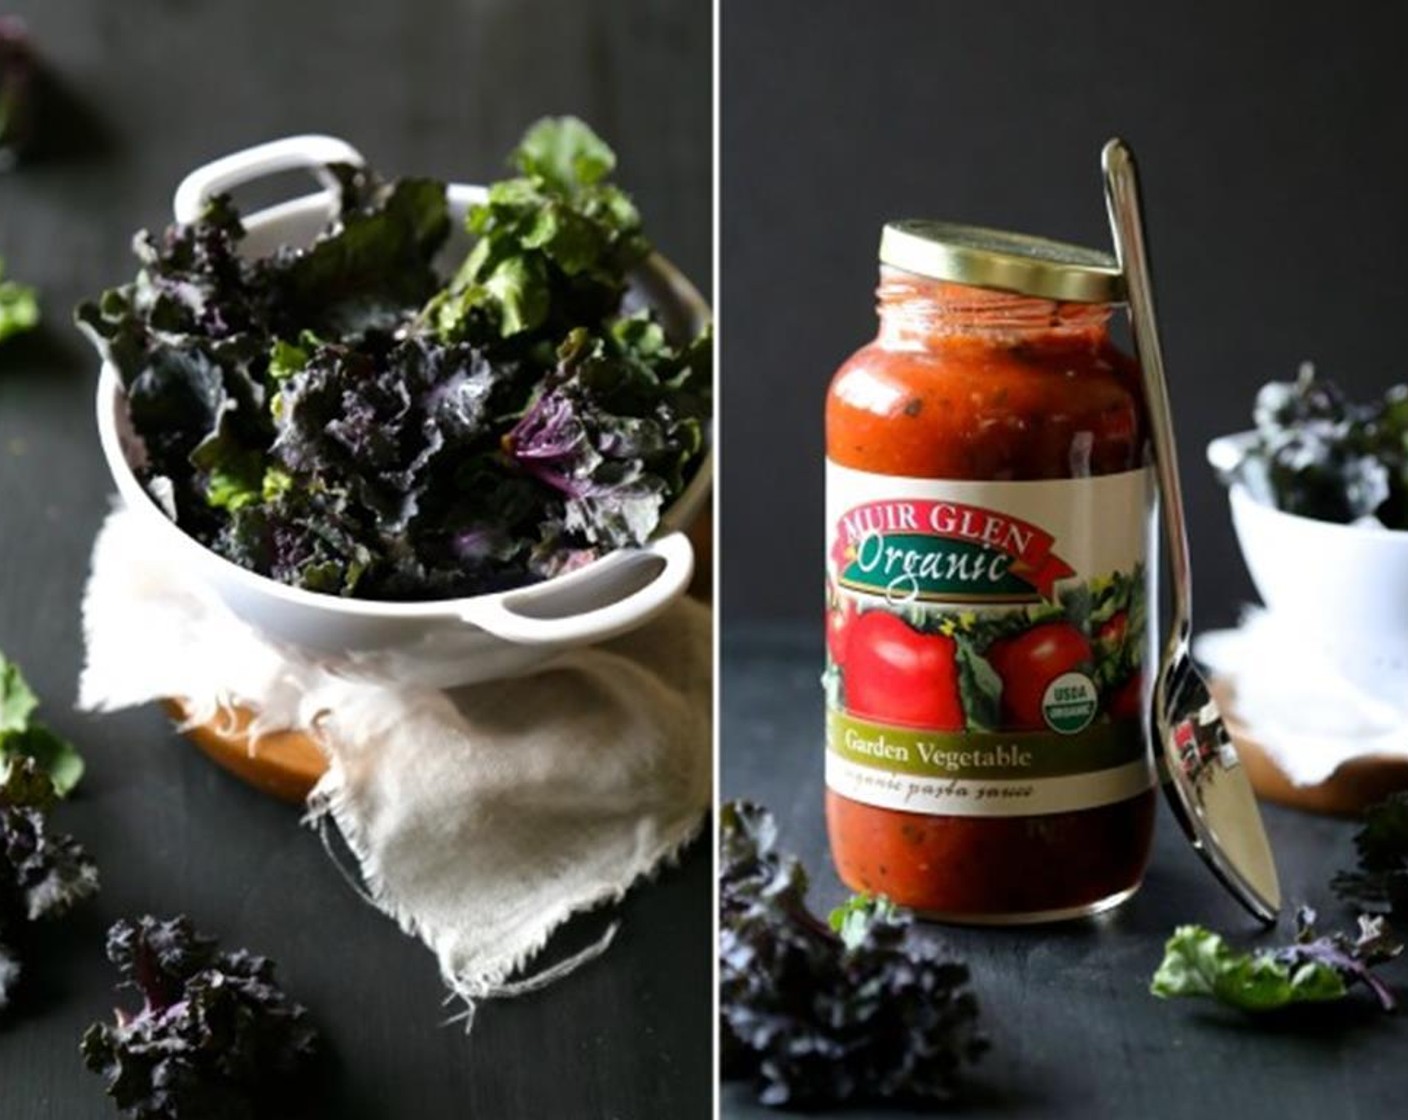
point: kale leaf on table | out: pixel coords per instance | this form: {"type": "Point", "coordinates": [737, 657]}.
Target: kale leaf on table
{"type": "Point", "coordinates": [17, 91]}
{"type": "Point", "coordinates": [22, 737]}
{"type": "Point", "coordinates": [42, 873]}
{"type": "Point", "coordinates": [817, 1015]}
{"type": "Point", "coordinates": [1380, 883]}
{"type": "Point", "coordinates": [19, 306]}
{"type": "Point", "coordinates": [1315, 967]}
{"type": "Point", "coordinates": [1320, 455]}
{"type": "Point", "coordinates": [215, 1037]}
{"type": "Point", "coordinates": [335, 419]}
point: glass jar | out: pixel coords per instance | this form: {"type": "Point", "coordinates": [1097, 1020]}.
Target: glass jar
{"type": "Point", "coordinates": [988, 579]}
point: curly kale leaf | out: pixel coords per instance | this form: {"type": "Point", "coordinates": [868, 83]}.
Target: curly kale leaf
{"type": "Point", "coordinates": [613, 432]}
{"type": "Point", "coordinates": [186, 339]}
{"type": "Point", "coordinates": [215, 1036]}
{"type": "Point", "coordinates": [370, 266]}
{"type": "Point", "coordinates": [311, 539]}
{"type": "Point", "coordinates": [19, 307]}
{"type": "Point", "coordinates": [553, 244]}
{"type": "Point", "coordinates": [1380, 884]}
{"type": "Point", "coordinates": [1320, 455]}
{"type": "Point", "coordinates": [49, 870]}
{"type": "Point", "coordinates": [1316, 967]}
{"type": "Point", "coordinates": [384, 425]}
{"type": "Point", "coordinates": [21, 737]}
{"type": "Point", "coordinates": [42, 873]}
{"type": "Point", "coordinates": [817, 1015]}
{"type": "Point", "coordinates": [396, 474]}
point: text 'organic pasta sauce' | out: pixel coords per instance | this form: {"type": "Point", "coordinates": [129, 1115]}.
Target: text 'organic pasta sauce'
{"type": "Point", "coordinates": [987, 519]}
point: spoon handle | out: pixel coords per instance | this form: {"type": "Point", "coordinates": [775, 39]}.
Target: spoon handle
{"type": "Point", "coordinates": [1127, 226]}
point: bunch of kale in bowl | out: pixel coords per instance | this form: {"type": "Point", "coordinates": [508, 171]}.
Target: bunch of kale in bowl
{"type": "Point", "coordinates": [1315, 453]}
{"type": "Point", "coordinates": [344, 419]}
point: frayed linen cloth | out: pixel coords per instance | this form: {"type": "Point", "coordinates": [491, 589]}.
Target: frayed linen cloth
{"type": "Point", "coordinates": [482, 817]}
{"type": "Point", "coordinates": [1301, 710]}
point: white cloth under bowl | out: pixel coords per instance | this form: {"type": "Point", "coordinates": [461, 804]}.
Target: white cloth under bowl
{"type": "Point", "coordinates": [483, 817]}
{"type": "Point", "coordinates": [1302, 711]}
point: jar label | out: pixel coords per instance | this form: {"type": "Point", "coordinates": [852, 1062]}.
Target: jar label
{"type": "Point", "coordinates": [987, 642]}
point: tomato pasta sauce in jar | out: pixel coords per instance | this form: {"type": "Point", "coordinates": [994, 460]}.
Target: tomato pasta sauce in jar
{"type": "Point", "coordinates": [988, 523]}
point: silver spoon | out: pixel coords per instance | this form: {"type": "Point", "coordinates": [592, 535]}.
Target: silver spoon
{"type": "Point", "coordinates": [1213, 798]}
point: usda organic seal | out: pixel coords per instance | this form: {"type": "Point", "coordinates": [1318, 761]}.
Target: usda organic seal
{"type": "Point", "coordinates": [1069, 703]}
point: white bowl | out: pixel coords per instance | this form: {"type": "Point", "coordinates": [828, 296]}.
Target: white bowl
{"type": "Point", "coordinates": [1346, 585]}
{"type": "Point", "coordinates": [444, 642]}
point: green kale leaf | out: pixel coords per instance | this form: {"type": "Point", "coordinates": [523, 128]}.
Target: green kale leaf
{"type": "Point", "coordinates": [19, 307]}
{"type": "Point", "coordinates": [21, 737]}
{"type": "Point", "coordinates": [853, 919]}
{"type": "Point", "coordinates": [553, 245]}
{"type": "Point", "coordinates": [1316, 967]}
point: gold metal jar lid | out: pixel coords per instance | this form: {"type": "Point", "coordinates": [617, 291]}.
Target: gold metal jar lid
{"type": "Point", "coordinates": [992, 258]}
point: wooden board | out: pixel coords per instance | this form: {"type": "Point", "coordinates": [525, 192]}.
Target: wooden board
{"type": "Point", "coordinates": [284, 764]}
{"type": "Point", "coordinates": [1346, 792]}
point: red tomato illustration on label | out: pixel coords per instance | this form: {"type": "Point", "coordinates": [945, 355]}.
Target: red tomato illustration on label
{"type": "Point", "coordinates": [1112, 632]}
{"type": "Point", "coordinates": [894, 674]}
{"type": "Point", "coordinates": [1030, 661]}
{"type": "Point", "coordinates": [838, 631]}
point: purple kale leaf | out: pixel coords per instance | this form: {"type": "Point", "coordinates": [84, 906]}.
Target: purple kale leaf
{"type": "Point", "coordinates": [315, 539]}
{"type": "Point", "coordinates": [613, 431]}
{"type": "Point", "coordinates": [370, 267]}
{"type": "Point", "coordinates": [1353, 957]}
{"type": "Point", "coordinates": [817, 1015]}
{"type": "Point", "coordinates": [394, 447]}
{"type": "Point", "coordinates": [17, 89]}
{"type": "Point", "coordinates": [42, 873]}
{"type": "Point", "coordinates": [384, 423]}
{"type": "Point", "coordinates": [1318, 454]}
{"type": "Point", "coordinates": [215, 1036]}
{"type": "Point", "coordinates": [1380, 883]}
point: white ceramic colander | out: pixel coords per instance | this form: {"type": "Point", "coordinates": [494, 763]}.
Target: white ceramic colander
{"type": "Point", "coordinates": [443, 642]}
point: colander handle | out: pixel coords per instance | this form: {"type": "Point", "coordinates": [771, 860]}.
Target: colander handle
{"type": "Point", "coordinates": [292, 153]}
{"type": "Point", "coordinates": [550, 613]}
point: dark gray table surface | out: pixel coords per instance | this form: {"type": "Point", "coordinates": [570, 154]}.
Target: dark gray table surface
{"type": "Point", "coordinates": [1074, 1031]}
{"type": "Point", "coordinates": [147, 89]}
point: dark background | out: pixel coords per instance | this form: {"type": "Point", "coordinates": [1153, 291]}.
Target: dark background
{"type": "Point", "coordinates": [145, 91]}
{"type": "Point", "coordinates": [1272, 147]}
